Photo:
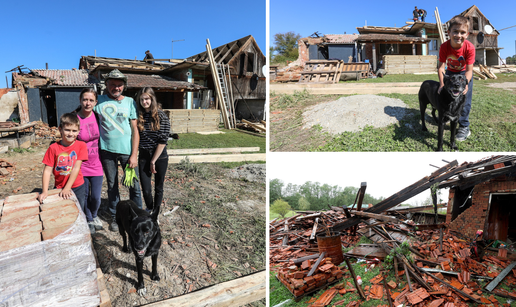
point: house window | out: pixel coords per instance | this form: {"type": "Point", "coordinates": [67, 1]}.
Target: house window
{"type": "Point", "coordinates": [389, 49]}
{"type": "Point", "coordinates": [250, 62]}
{"type": "Point", "coordinates": [476, 26]}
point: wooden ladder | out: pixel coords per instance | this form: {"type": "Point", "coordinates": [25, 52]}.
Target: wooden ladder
{"type": "Point", "coordinates": [215, 71]}
{"type": "Point", "coordinates": [443, 29]}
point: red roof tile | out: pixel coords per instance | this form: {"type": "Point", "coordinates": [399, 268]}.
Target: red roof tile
{"type": "Point", "coordinates": [66, 77]}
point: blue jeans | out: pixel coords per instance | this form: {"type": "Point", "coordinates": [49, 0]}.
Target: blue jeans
{"type": "Point", "coordinates": [79, 193]}
{"type": "Point", "coordinates": [110, 162]}
{"type": "Point", "coordinates": [93, 188]}
{"type": "Point", "coordinates": [464, 115]}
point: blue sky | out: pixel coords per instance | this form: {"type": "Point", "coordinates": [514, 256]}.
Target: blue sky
{"type": "Point", "coordinates": [336, 17]}
{"type": "Point", "coordinates": [60, 32]}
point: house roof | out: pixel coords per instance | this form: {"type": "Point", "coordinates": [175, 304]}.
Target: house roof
{"type": "Point", "coordinates": [471, 10]}
{"type": "Point", "coordinates": [160, 82]}
{"type": "Point", "coordinates": [391, 38]}
{"type": "Point", "coordinates": [92, 62]}
{"type": "Point", "coordinates": [225, 53]}
{"type": "Point", "coordinates": [341, 38]}
{"type": "Point", "coordinates": [62, 77]}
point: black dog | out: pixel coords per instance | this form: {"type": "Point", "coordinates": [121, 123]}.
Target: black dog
{"type": "Point", "coordinates": [448, 103]}
{"type": "Point", "coordinates": [144, 236]}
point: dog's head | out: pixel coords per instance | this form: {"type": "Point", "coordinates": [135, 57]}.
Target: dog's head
{"type": "Point", "coordinates": [455, 84]}
{"type": "Point", "coordinates": [143, 230]}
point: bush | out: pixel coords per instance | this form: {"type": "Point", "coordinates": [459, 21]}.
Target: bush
{"type": "Point", "coordinates": [281, 207]}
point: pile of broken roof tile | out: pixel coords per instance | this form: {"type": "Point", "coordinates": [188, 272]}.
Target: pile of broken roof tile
{"type": "Point", "coordinates": [300, 279]}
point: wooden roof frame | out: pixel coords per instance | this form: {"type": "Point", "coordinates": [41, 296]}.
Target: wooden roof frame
{"type": "Point", "coordinates": [227, 53]}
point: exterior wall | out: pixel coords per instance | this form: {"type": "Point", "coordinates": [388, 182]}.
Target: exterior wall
{"type": "Point", "coordinates": [474, 218]}
{"type": "Point", "coordinates": [254, 106]}
{"type": "Point", "coordinates": [303, 52]}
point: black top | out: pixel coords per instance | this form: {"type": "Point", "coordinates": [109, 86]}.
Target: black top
{"type": "Point", "coordinates": [149, 139]}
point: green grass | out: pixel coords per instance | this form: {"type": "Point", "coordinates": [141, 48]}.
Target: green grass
{"type": "Point", "coordinates": [230, 138]}
{"type": "Point", "coordinates": [493, 127]}
{"type": "Point", "coordinates": [398, 78]}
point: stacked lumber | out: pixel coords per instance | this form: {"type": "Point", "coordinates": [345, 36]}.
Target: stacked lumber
{"type": "Point", "coordinates": [45, 249]}
{"type": "Point", "coordinates": [409, 64]}
{"type": "Point", "coordinates": [309, 276]}
{"type": "Point", "coordinates": [188, 121]}
{"type": "Point", "coordinates": [322, 71]}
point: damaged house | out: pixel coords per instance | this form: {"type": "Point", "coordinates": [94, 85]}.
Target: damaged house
{"type": "Point", "coordinates": [243, 61]}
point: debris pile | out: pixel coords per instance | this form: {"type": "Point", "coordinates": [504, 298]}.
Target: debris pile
{"type": "Point", "coordinates": [6, 168]}
{"type": "Point", "coordinates": [432, 264]}
{"type": "Point", "coordinates": [44, 131]}
{"type": "Point", "coordinates": [289, 74]}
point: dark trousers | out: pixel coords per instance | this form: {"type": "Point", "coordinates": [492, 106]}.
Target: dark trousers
{"type": "Point", "coordinates": [93, 188]}
{"type": "Point", "coordinates": [161, 166]}
{"type": "Point", "coordinates": [464, 115]}
{"type": "Point", "coordinates": [79, 193]}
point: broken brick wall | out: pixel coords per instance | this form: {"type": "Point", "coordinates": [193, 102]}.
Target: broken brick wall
{"type": "Point", "coordinates": [8, 104]}
{"type": "Point", "coordinates": [474, 218]}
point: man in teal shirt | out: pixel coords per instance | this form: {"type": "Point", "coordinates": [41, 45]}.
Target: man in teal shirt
{"type": "Point", "coordinates": [119, 138]}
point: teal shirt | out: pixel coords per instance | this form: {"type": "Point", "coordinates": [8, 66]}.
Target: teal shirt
{"type": "Point", "coordinates": [115, 123]}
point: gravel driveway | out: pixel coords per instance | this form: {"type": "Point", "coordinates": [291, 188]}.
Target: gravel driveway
{"type": "Point", "coordinates": [353, 113]}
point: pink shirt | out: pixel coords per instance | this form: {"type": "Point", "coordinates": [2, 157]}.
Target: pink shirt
{"type": "Point", "coordinates": [90, 135]}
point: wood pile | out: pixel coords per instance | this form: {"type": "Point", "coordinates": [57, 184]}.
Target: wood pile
{"type": "Point", "coordinates": [322, 72]}
{"type": "Point", "coordinates": [258, 127]}
{"type": "Point", "coordinates": [6, 168]}
{"type": "Point", "coordinates": [482, 72]}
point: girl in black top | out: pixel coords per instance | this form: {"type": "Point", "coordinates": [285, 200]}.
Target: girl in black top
{"type": "Point", "coordinates": [154, 128]}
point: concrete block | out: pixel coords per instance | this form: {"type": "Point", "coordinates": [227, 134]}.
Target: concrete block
{"type": "Point", "coordinates": [57, 204]}
{"type": "Point", "coordinates": [22, 240]}
{"type": "Point", "coordinates": [66, 209]}
{"type": "Point", "coordinates": [25, 212]}
{"type": "Point", "coordinates": [15, 231]}
{"type": "Point", "coordinates": [60, 221]}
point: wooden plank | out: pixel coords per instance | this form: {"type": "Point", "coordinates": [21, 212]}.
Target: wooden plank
{"type": "Point", "coordinates": [375, 216]}
{"type": "Point", "coordinates": [500, 276]}
{"type": "Point", "coordinates": [210, 150]}
{"type": "Point", "coordinates": [237, 292]}
{"type": "Point", "coordinates": [254, 125]}
{"type": "Point", "coordinates": [219, 158]}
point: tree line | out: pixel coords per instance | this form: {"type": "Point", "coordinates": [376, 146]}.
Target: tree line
{"type": "Point", "coordinates": [315, 196]}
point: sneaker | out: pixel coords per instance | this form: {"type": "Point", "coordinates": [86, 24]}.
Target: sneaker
{"type": "Point", "coordinates": [97, 223]}
{"type": "Point", "coordinates": [113, 226]}
{"type": "Point", "coordinates": [462, 133]}
{"type": "Point", "coordinates": [91, 227]}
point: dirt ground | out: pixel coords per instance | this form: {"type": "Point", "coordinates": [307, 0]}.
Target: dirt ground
{"type": "Point", "coordinates": [217, 233]}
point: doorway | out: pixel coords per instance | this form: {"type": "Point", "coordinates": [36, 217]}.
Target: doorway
{"type": "Point", "coordinates": [501, 218]}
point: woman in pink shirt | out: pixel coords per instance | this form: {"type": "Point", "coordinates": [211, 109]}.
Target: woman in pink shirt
{"type": "Point", "coordinates": [92, 168]}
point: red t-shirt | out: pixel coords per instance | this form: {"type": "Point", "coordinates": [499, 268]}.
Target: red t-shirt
{"type": "Point", "coordinates": [457, 59]}
{"type": "Point", "coordinates": [62, 160]}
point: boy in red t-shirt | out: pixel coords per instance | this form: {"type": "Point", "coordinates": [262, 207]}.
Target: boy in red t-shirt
{"type": "Point", "coordinates": [459, 56]}
{"type": "Point", "coordinates": [64, 159]}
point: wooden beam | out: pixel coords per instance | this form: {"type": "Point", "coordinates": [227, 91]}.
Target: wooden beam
{"type": "Point", "coordinates": [210, 150]}
{"type": "Point", "coordinates": [237, 292]}
{"type": "Point", "coordinates": [254, 125]}
{"type": "Point", "coordinates": [218, 158]}
{"type": "Point", "coordinates": [375, 216]}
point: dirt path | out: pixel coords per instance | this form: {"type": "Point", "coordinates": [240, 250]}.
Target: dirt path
{"type": "Point", "coordinates": [217, 233]}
